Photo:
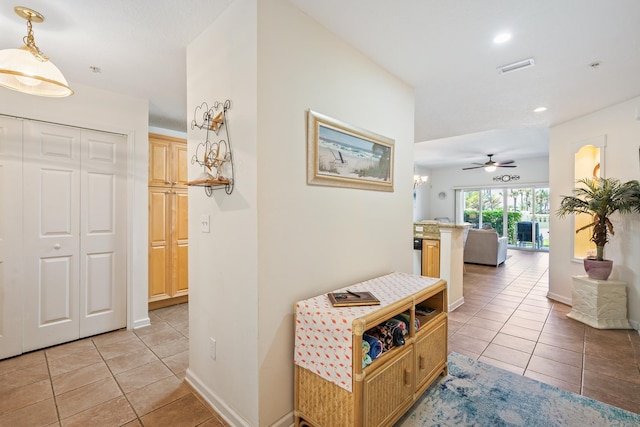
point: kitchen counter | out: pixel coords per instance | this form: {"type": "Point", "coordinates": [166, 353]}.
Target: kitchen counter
{"type": "Point", "coordinates": [451, 241]}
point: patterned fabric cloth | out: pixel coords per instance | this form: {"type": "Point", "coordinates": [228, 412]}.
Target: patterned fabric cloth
{"type": "Point", "coordinates": [366, 359]}
{"type": "Point", "coordinates": [383, 334]}
{"type": "Point", "coordinates": [376, 347]}
{"type": "Point", "coordinates": [323, 334]}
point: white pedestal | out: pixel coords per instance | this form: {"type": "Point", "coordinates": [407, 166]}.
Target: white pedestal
{"type": "Point", "coordinates": [601, 304]}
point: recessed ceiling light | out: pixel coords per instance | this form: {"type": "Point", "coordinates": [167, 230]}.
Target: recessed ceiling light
{"type": "Point", "coordinates": [502, 38]}
{"type": "Point", "coordinates": [540, 109]}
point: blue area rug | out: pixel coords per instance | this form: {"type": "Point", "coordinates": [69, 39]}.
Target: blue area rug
{"type": "Point", "coordinates": [478, 394]}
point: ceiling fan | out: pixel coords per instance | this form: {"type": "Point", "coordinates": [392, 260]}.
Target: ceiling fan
{"type": "Point", "coordinates": [490, 166]}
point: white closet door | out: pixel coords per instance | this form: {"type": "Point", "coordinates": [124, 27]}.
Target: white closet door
{"type": "Point", "coordinates": [51, 182]}
{"type": "Point", "coordinates": [103, 233]}
{"type": "Point", "coordinates": [10, 237]}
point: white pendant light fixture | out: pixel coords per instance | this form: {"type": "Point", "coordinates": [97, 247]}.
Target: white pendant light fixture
{"type": "Point", "coordinates": [27, 69]}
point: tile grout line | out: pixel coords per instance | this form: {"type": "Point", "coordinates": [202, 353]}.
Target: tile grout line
{"type": "Point", "coordinates": [113, 376]}
{"type": "Point", "coordinates": [53, 392]}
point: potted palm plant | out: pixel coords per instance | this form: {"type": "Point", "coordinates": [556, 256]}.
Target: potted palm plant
{"type": "Point", "coordinates": [600, 198]}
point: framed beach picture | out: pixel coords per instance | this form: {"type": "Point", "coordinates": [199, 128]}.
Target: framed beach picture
{"type": "Point", "coordinates": [340, 155]}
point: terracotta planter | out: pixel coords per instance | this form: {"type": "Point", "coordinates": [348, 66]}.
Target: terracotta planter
{"type": "Point", "coordinates": [598, 270]}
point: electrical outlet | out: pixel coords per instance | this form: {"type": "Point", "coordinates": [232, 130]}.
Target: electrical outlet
{"type": "Point", "coordinates": [212, 348]}
{"type": "Point", "coordinates": [204, 223]}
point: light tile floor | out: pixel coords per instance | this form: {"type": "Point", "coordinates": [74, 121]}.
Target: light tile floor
{"type": "Point", "coordinates": [507, 321]}
{"type": "Point", "coordinates": [135, 378]}
{"type": "Point", "coordinates": [122, 378]}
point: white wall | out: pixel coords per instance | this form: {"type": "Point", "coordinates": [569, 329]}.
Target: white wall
{"type": "Point", "coordinates": [531, 171]}
{"type": "Point", "coordinates": [223, 275]}
{"type": "Point", "coordinates": [422, 195]}
{"type": "Point", "coordinates": [106, 111]}
{"type": "Point", "coordinates": [314, 239]}
{"type": "Point", "coordinates": [280, 240]}
{"type": "Point", "coordinates": [622, 129]}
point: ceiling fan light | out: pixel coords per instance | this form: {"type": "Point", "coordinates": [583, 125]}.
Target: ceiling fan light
{"type": "Point", "coordinates": [20, 70]}
{"type": "Point", "coordinates": [490, 168]}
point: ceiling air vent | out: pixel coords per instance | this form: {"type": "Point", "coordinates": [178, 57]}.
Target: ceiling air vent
{"type": "Point", "coordinates": [516, 66]}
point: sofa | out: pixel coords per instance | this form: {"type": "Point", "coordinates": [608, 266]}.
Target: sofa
{"type": "Point", "coordinates": [485, 247]}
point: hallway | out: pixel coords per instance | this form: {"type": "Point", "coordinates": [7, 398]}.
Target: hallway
{"type": "Point", "coordinates": [135, 378]}
{"type": "Point", "coordinates": [122, 378]}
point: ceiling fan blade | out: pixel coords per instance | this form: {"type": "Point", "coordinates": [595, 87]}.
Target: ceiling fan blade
{"type": "Point", "coordinates": [491, 163]}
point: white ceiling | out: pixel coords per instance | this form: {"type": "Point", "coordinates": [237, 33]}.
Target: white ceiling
{"type": "Point", "coordinates": [464, 108]}
{"type": "Point", "coordinates": [139, 45]}
{"type": "Point", "coordinates": [445, 49]}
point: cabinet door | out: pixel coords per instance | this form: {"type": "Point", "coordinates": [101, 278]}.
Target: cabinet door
{"type": "Point", "coordinates": [180, 165]}
{"type": "Point", "coordinates": [168, 164]}
{"type": "Point", "coordinates": [159, 243]}
{"type": "Point", "coordinates": [389, 390]}
{"type": "Point", "coordinates": [180, 242]}
{"type": "Point", "coordinates": [431, 352]}
{"type": "Point", "coordinates": [159, 162]}
{"type": "Point", "coordinates": [431, 258]}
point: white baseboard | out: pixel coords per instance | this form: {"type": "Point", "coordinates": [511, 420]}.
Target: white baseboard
{"type": "Point", "coordinates": [456, 304]}
{"type": "Point", "coordinates": [286, 421]}
{"type": "Point", "coordinates": [560, 298]}
{"type": "Point", "coordinates": [228, 414]}
{"type": "Point", "coordinates": [141, 323]}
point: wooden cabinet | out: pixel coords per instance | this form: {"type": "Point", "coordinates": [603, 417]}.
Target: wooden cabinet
{"type": "Point", "coordinates": [380, 393]}
{"type": "Point", "coordinates": [431, 257]}
{"type": "Point", "coordinates": [388, 390]}
{"type": "Point", "coordinates": [167, 162]}
{"type": "Point", "coordinates": [168, 221]}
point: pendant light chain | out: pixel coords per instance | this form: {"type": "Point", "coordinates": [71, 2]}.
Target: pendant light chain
{"type": "Point", "coordinates": [30, 42]}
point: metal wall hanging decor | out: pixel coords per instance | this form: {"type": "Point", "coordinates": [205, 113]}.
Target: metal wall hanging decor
{"type": "Point", "coordinates": [214, 154]}
{"type": "Point", "coordinates": [506, 178]}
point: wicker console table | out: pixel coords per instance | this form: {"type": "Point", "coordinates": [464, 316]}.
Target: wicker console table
{"type": "Point", "coordinates": [332, 389]}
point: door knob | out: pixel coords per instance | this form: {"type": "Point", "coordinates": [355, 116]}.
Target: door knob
{"type": "Point", "coordinates": [56, 246]}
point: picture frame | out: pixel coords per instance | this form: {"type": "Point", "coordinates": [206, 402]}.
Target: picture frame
{"type": "Point", "coordinates": [341, 155]}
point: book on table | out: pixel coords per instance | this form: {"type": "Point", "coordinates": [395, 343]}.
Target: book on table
{"type": "Point", "coordinates": [349, 298]}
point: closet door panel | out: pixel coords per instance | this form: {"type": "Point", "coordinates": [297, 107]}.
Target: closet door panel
{"type": "Point", "coordinates": [10, 237]}
{"type": "Point", "coordinates": [103, 234]}
{"type": "Point", "coordinates": [51, 159]}
{"type": "Point", "coordinates": [55, 290]}
{"type": "Point", "coordinates": [99, 295]}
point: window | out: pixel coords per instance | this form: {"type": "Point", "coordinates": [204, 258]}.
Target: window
{"type": "Point", "coordinates": [520, 213]}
